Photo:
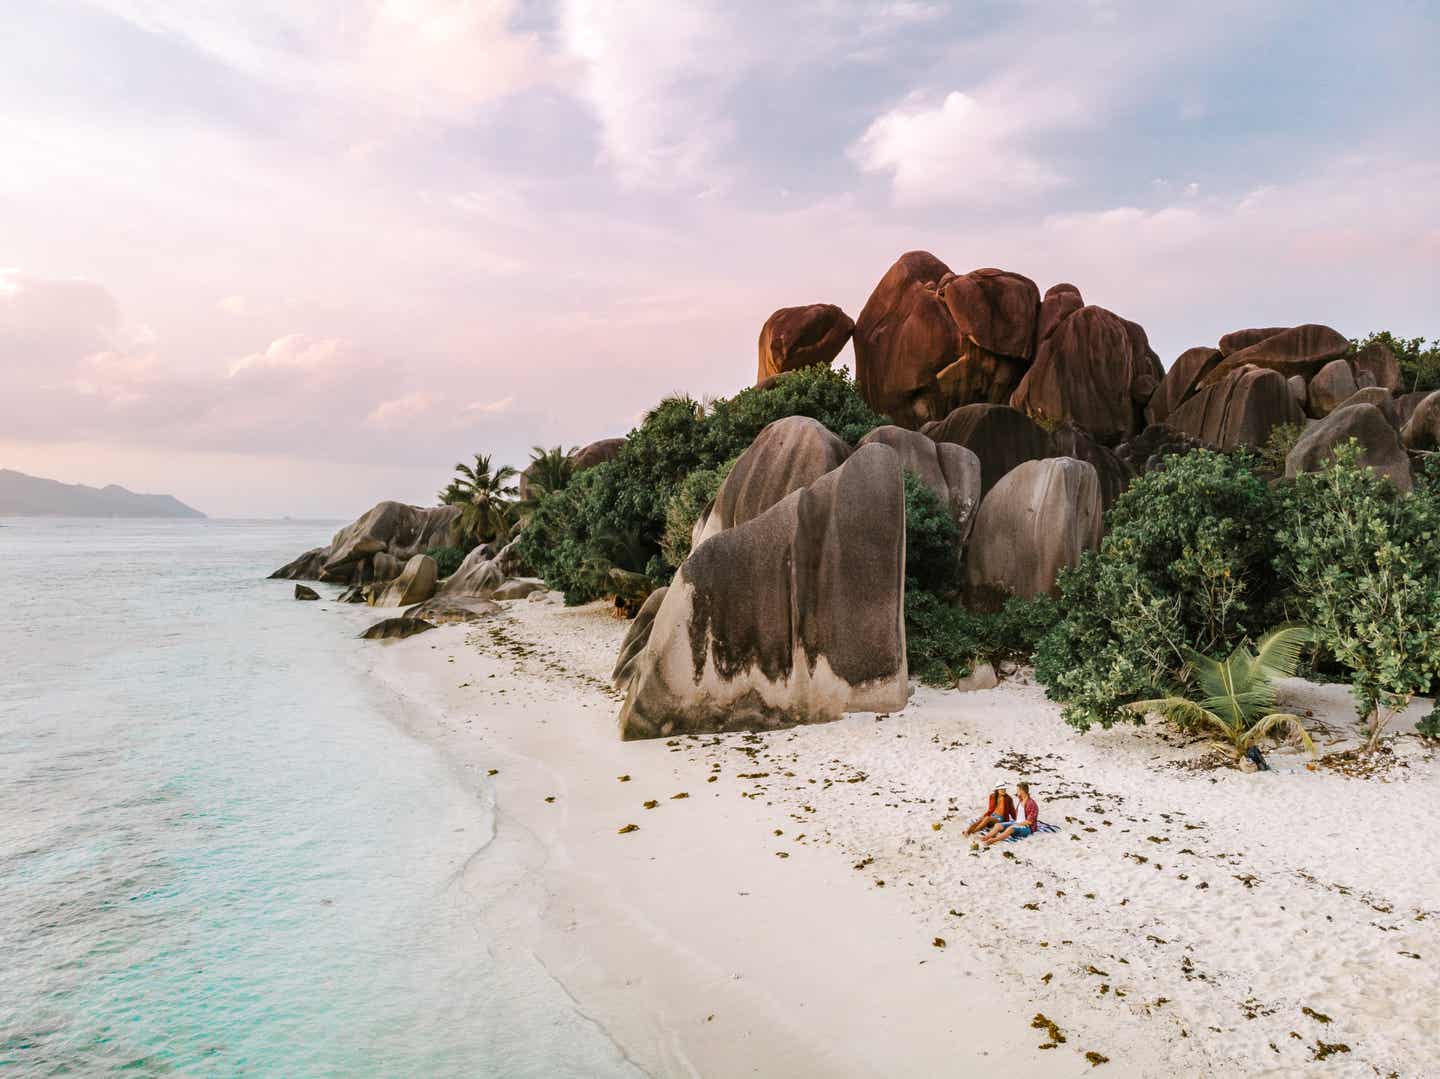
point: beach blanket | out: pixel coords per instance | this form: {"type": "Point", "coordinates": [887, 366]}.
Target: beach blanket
{"type": "Point", "coordinates": [1040, 826]}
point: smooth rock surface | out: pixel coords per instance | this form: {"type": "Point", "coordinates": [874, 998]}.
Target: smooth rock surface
{"type": "Point", "coordinates": [1240, 410]}
{"type": "Point", "coordinates": [444, 610]}
{"type": "Point", "coordinates": [396, 629]}
{"type": "Point", "coordinates": [998, 435]}
{"type": "Point", "coordinates": [794, 616]}
{"type": "Point", "coordinates": [1380, 446]}
{"type": "Point", "coordinates": [415, 584]}
{"type": "Point", "coordinates": [305, 592]}
{"type": "Point", "coordinates": [1422, 429]}
{"type": "Point", "coordinates": [477, 575]}
{"type": "Point", "coordinates": [1299, 350]}
{"type": "Point", "coordinates": [1179, 382]}
{"type": "Point", "coordinates": [786, 455]}
{"type": "Point", "coordinates": [796, 337]}
{"type": "Point", "coordinates": [1036, 521]}
{"type": "Point", "coordinates": [1329, 388]}
{"type": "Point", "coordinates": [948, 469]}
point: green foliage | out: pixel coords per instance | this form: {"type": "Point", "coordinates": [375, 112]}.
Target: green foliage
{"type": "Point", "coordinates": [548, 471]}
{"type": "Point", "coordinates": [942, 641]}
{"type": "Point", "coordinates": [1429, 726]}
{"type": "Point", "coordinates": [695, 492]}
{"type": "Point", "coordinates": [932, 540]}
{"type": "Point", "coordinates": [1186, 562]}
{"type": "Point", "coordinates": [1419, 361]}
{"type": "Point", "coordinates": [1278, 444]}
{"type": "Point", "coordinates": [1238, 693]}
{"type": "Point", "coordinates": [484, 494]}
{"type": "Point", "coordinates": [616, 514]}
{"type": "Point", "coordinates": [1363, 561]}
{"type": "Point", "coordinates": [448, 559]}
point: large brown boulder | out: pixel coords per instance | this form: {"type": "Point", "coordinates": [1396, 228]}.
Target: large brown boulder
{"type": "Point", "coordinates": [904, 336]}
{"type": "Point", "coordinates": [788, 454]}
{"type": "Point", "coordinates": [1094, 370]}
{"type": "Point", "coordinates": [1380, 363]}
{"type": "Point", "coordinates": [1367, 425]}
{"type": "Point", "coordinates": [597, 453]}
{"type": "Point", "coordinates": [929, 340]}
{"type": "Point", "coordinates": [795, 616]}
{"type": "Point", "coordinates": [1240, 410]}
{"type": "Point", "coordinates": [994, 313]}
{"type": "Point", "coordinates": [1179, 382]}
{"type": "Point", "coordinates": [951, 471]}
{"type": "Point", "coordinates": [1299, 350]}
{"type": "Point", "coordinates": [997, 434]}
{"type": "Point", "coordinates": [399, 530]}
{"type": "Point", "coordinates": [1329, 388]}
{"type": "Point", "coordinates": [1238, 339]}
{"type": "Point", "coordinates": [1422, 428]}
{"type": "Point", "coordinates": [307, 567]}
{"type": "Point", "coordinates": [1060, 302]}
{"type": "Point", "coordinates": [1038, 520]}
{"type": "Point", "coordinates": [415, 584]}
{"type": "Point", "coordinates": [796, 337]}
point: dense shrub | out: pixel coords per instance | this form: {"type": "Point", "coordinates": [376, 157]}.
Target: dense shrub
{"type": "Point", "coordinates": [448, 559]}
{"type": "Point", "coordinates": [942, 641]}
{"type": "Point", "coordinates": [932, 540]}
{"type": "Point", "coordinates": [1419, 360]}
{"type": "Point", "coordinates": [614, 515]}
{"type": "Point", "coordinates": [1362, 561]}
{"type": "Point", "coordinates": [696, 491]}
{"type": "Point", "coordinates": [1186, 562]}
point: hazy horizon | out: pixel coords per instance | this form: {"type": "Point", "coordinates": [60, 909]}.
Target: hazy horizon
{"type": "Point", "coordinates": [280, 259]}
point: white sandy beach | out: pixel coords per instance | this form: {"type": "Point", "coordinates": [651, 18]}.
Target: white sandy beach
{"type": "Point", "coordinates": [783, 916]}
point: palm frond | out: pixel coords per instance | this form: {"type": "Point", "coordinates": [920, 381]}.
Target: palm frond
{"type": "Point", "coordinates": [1292, 723]}
{"type": "Point", "coordinates": [1177, 710]}
{"type": "Point", "coordinates": [1278, 652]}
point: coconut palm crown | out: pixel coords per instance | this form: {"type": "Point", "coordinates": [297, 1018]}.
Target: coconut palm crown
{"type": "Point", "coordinates": [1238, 693]}
{"type": "Point", "coordinates": [483, 493]}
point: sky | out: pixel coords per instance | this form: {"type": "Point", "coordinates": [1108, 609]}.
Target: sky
{"type": "Point", "coordinates": [281, 257]}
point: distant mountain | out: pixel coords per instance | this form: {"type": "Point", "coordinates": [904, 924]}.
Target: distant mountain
{"type": "Point", "coordinates": [30, 496]}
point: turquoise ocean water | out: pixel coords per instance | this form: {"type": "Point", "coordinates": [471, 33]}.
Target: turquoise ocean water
{"type": "Point", "coordinates": [218, 853]}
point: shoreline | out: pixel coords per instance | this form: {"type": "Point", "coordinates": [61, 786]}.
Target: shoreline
{"type": "Point", "coordinates": [706, 943]}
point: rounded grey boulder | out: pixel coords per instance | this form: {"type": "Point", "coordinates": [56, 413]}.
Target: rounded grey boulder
{"type": "Point", "coordinates": [1036, 521]}
{"type": "Point", "coordinates": [1367, 425]}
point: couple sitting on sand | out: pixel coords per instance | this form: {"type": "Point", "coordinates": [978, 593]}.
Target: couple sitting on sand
{"type": "Point", "coordinates": [1001, 818]}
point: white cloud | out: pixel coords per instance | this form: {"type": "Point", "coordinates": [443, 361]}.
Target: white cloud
{"type": "Point", "coordinates": [656, 76]}
{"type": "Point", "coordinates": [491, 408]}
{"type": "Point", "coordinates": [295, 352]}
{"type": "Point", "coordinates": [961, 150]}
{"type": "Point", "coordinates": [436, 59]}
{"type": "Point", "coordinates": [400, 410]}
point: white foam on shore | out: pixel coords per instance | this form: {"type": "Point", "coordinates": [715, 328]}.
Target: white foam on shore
{"type": "Point", "coordinates": [1239, 900]}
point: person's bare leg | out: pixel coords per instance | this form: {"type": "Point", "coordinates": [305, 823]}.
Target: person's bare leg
{"type": "Point", "coordinates": [977, 824]}
{"type": "Point", "coordinates": [992, 839]}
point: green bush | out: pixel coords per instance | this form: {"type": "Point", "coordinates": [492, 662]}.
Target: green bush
{"type": "Point", "coordinates": [1419, 361]}
{"type": "Point", "coordinates": [448, 559]}
{"type": "Point", "coordinates": [615, 515]}
{"type": "Point", "coordinates": [943, 641]}
{"type": "Point", "coordinates": [1187, 561]}
{"type": "Point", "coordinates": [695, 492]}
{"type": "Point", "coordinates": [932, 540]}
{"type": "Point", "coordinates": [1429, 726]}
{"type": "Point", "coordinates": [1363, 563]}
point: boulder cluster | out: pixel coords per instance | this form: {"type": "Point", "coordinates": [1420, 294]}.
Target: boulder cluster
{"type": "Point", "coordinates": [380, 559]}
{"type": "Point", "coordinates": [1027, 414]}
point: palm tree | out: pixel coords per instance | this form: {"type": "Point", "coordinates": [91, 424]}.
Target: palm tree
{"type": "Point", "coordinates": [549, 471]}
{"type": "Point", "coordinates": [1239, 692]}
{"type": "Point", "coordinates": [483, 493]}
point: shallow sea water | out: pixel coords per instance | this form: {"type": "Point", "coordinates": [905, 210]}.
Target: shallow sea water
{"type": "Point", "coordinates": [219, 855]}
